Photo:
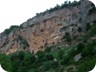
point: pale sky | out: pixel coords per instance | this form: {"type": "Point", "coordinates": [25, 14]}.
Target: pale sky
{"type": "Point", "coordinates": [15, 12]}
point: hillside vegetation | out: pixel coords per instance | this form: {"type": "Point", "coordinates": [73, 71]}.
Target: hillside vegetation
{"type": "Point", "coordinates": [56, 58]}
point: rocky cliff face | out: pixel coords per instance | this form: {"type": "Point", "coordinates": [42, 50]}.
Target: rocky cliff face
{"type": "Point", "coordinates": [48, 29]}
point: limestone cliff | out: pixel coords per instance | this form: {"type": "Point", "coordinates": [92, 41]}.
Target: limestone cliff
{"type": "Point", "coordinates": [48, 28]}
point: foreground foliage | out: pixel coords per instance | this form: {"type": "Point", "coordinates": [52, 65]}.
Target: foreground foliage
{"type": "Point", "coordinates": [52, 61]}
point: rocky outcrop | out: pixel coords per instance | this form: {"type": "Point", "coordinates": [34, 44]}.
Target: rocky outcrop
{"type": "Point", "coordinates": [77, 57]}
{"type": "Point", "coordinates": [49, 29]}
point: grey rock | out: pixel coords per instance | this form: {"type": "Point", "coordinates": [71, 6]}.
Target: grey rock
{"type": "Point", "coordinates": [77, 57]}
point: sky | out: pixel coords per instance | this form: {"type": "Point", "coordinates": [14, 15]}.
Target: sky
{"type": "Point", "coordinates": [15, 12]}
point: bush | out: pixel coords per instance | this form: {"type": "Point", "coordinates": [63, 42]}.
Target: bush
{"type": "Point", "coordinates": [65, 60]}
{"type": "Point", "coordinates": [88, 26]}
{"type": "Point", "coordinates": [22, 59]}
{"type": "Point", "coordinates": [68, 37]}
{"type": "Point", "coordinates": [79, 29]}
{"type": "Point", "coordinates": [22, 69]}
{"type": "Point", "coordinates": [49, 57]}
{"type": "Point", "coordinates": [89, 50]}
{"type": "Point", "coordinates": [48, 49]}
{"type": "Point", "coordinates": [29, 59]}
{"type": "Point", "coordinates": [12, 28]}
{"type": "Point", "coordinates": [86, 66]}
{"type": "Point", "coordinates": [41, 56]}
{"type": "Point", "coordinates": [22, 41]}
{"type": "Point", "coordinates": [92, 10]}
{"type": "Point", "coordinates": [63, 29]}
{"type": "Point", "coordinates": [14, 57]}
{"type": "Point", "coordinates": [80, 47]}
{"type": "Point", "coordinates": [55, 64]}
{"type": "Point", "coordinates": [93, 30]}
{"type": "Point", "coordinates": [21, 55]}
{"type": "Point", "coordinates": [60, 54]}
{"type": "Point", "coordinates": [85, 52]}
{"type": "Point", "coordinates": [5, 62]}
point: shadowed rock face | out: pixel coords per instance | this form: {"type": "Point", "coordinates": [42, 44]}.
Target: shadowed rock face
{"type": "Point", "coordinates": [48, 29]}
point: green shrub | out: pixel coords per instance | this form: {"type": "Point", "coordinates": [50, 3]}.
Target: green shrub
{"type": "Point", "coordinates": [12, 28]}
{"type": "Point", "coordinates": [23, 42]}
{"type": "Point", "coordinates": [60, 54]}
{"type": "Point", "coordinates": [89, 50]}
{"type": "Point", "coordinates": [80, 47]}
{"type": "Point", "coordinates": [67, 37]}
{"type": "Point", "coordinates": [48, 49]}
{"type": "Point", "coordinates": [41, 56]}
{"type": "Point", "coordinates": [49, 57]}
{"type": "Point", "coordinates": [72, 52]}
{"type": "Point", "coordinates": [55, 64]}
{"type": "Point", "coordinates": [29, 59]}
{"type": "Point", "coordinates": [22, 69]}
{"type": "Point", "coordinates": [93, 30]}
{"type": "Point", "coordinates": [7, 31]}
{"type": "Point", "coordinates": [92, 10]}
{"type": "Point", "coordinates": [5, 62]}
{"type": "Point", "coordinates": [63, 29]}
{"type": "Point", "coordinates": [86, 65]}
{"type": "Point", "coordinates": [21, 59]}
{"type": "Point", "coordinates": [65, 60]}
{"type": "Point", "coordinates": [79, 29]}
{"type": "Point", "coordinates": [85, 52]}
{"type": "Point", "coordinates": [88, 26]}
{"type": "Point", "coordinates": [21, 55]}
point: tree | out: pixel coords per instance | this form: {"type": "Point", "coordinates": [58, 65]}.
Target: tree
{"type": "Point", "coordinates": [5, 62]}
{"type": "Point", "coordinates": [49, 57]}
